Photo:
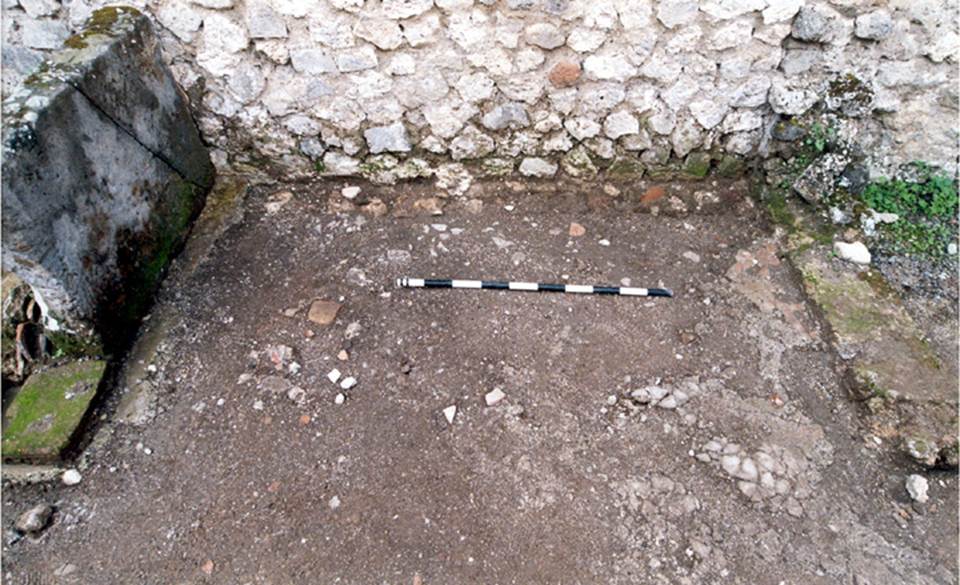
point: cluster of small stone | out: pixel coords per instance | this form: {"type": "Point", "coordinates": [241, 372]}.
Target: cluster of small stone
{"type": "Point", "coordinates": [386, 89]}
{"type": "Point", "coordinates": [772, 473]}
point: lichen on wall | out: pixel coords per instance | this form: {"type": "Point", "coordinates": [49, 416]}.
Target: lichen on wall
{"type": "Point", "coordinates": [316, 87]}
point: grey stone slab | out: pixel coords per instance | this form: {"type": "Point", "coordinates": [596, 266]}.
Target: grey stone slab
{"type": "Point", "coordinates": [103, 173]}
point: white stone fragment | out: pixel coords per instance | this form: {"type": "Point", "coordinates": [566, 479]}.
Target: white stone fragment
{"type": "Point", "coordinates": [350, 192]}
{"type": "Point", "coordinates": [334, 375]}
{"type": "Point", "coordinates": [334, 502]}
{"type": "Point", "coordinates": [71, 477]}
{"type": "Point", "coordinates": [709, 112]}
{"type": "Point", "coordinates": [537, 167]}
{"type": "Point", "coordinates": [611, 65]}
{"type": "Point", "coordinates": [405, 8]}
{"type": "Point", "coordinates": [402, 64]}
{"type": "Point", "coordinates": [356, 59]}
{"type": "Point", "coordinates": [585, 40]}
{"type": "Point", "coordinates": [38, 8]}
{"type": "Point", "coordinates": [781, 10]}
{"type": "Point", "coordinates": [214, 4]}
{"type": "Point", "coordinates": [730, 464]}
{"type": "Point", "coordinates": [312, 61]}
{"type": "Point", "coordinates": [581, 127]}
{"type": "Point", "coordinates": [793, 101]}
{"type": "Point", "coordinates": [917, 487]}
{"type": "Point", "coordinates": [494, 396]}
{"type": "Point", "coordinates": [263, 22]}
{"type": "Point", "coordinates": [544, 35]}
{"type": "Point", "coordinates": [674, 13]}
{"type": "Point", "coordinates": [339, 398]}
{"type": "Point", "coordinates": [727, 9]}
{"type": "Point", "coordinates": [621, 123]}
{"type": "Point", "coordinates": [735, 34]}
{"type": "Point", "coordinates": [854, 252]}
{"type": "Point", "coordinates": [450, 412]}
{"type": "Point", "coordinates": [874, 25]}
{"type": "Point", "coordinates": [222, 38]}
{"type": "Point", "coordinates": [385, 34]}
{"type": "Point", "coordinates": [392, 138]}
{"type": "Point", "coordinates": [183, 21]}
{"type": "Point", "coordinates": [348, 382]}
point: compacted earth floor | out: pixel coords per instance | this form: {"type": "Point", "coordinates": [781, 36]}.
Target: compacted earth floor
{"type": "Point", "coordinates": [705, 438]}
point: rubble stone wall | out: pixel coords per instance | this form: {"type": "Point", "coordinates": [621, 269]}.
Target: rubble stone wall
{"type": "Point", "coordinates": [400, 88]}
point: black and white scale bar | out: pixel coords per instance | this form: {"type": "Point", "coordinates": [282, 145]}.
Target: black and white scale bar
{"type": "Point", "coordinates": [534, 286]}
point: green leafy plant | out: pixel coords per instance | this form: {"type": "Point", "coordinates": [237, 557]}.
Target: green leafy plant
{"type": "Point", "coordinates": [927, 209]}
{"type": "Point", "coordinates": [819, 137]}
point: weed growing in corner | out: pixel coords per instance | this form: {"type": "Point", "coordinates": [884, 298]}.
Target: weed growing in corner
{"type": "Point", "coordinates": [927, 210]}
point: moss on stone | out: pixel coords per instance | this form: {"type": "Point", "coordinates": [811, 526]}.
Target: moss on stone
{"type": "Point", "coordinates": [663, 172]}
{"type": "Point", "coordinates": [578, 163]}
{"type": "Point", "coordinates": [47, 411]}
{"type": "Point", "coordinates": [624, 167]}
{"type": "Point", "coordinates": [730, 166]}
{"type": "Point", "coordinates": [101, 23]}
{"type": "Point", "coordinates": [849, 304]}
{"type": "Point", "coordinates": [74, 345]}
{"type": "Point", "coordinates": [779, 210]}
{"type": "Point", "coordinates": [496, 167]}
{"type": "Point", "coordinates": [167, 231]}
{"type": "Point", "coordinates": [696, 165]}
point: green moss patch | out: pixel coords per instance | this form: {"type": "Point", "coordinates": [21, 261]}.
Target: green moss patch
{"type": "Point", "coordinates": [624, 167]}
{"type": "Point", "coordinates": [45, 414]}
{"type": "Point", "coordinates": [696, 165]}
{"type": "Point", "coordinates": [101, 23]}
{"type": "Point", "coordinates": [730, 166]}
{"type": "Point", "coordinates": [864, 313]}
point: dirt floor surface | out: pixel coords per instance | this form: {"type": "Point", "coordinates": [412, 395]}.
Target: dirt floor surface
{"type": "Point", "coordinates": [706, 438]}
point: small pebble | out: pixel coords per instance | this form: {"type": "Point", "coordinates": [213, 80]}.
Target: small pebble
{"type": "Point", "coordinates": [343, 355]}
{"type": "Point", "coordinates": [494, 396]}
{"type": "Point", "coordinates": [334, 375]}
{"type": "Point", "coordinates": [348, 383]}
{"type": "Point", "coordinates": [334, 503]}
{"type": "Point", "coordinates": [350, 192]}
{"type": "Point", "coordinates": [339, 398]}
{"type": "Point", "coordinates": [917, 487]}
{"type": "Point", "coordinates": [71, 477]}
{"type": "Point", "coordinates": [450, 412]}
{"type": "Point", "coordinates": [258, 404]}
{"type": "Point", "coordinates": [604, 242]}
{"type": "Point", "coordinates": [855, 252]}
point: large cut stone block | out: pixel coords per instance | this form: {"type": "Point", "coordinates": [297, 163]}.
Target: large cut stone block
{"type": "Point", "coordinates": [103, 174]}
{"type": "Point", "coordinates": [47, 412]}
